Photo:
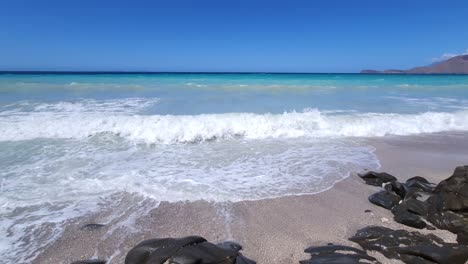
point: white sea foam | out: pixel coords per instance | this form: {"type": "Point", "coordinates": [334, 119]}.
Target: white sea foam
{"type": "Point", "coordinates": [169, 129]}
{"type": "Point", "coordinates": [49, 182]}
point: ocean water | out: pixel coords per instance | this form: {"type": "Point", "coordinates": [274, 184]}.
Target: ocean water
{"type": "Point", "coordinates": [71, 143]}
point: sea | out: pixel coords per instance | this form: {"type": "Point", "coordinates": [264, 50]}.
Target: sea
{"type": "Point", "coordinates": [73, 143]}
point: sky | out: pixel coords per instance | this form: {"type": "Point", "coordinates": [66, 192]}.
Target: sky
{"type": "Point", "coordinates": [229, 36]}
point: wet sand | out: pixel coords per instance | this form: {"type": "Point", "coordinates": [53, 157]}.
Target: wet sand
{"type": "Point", "coordinates": [271, 230]}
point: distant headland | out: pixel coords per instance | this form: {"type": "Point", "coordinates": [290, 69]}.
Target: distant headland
{"type": "Point", "coordinates": [455, 65]}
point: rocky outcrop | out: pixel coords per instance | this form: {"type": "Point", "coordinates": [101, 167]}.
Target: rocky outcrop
{"type": "Point", "coordinates": [448, 204]}
{"type": "Point", "coordinates": [186, 250]}
{"type": "Point", "coordinates": [455, 65]}
{"type": "Point", "coordinates": [417, 200]}
{"type": "Point", "coordinates": [337, 254]}
{"type": "Point", "coordinates": [410, 247]}
{"type": "Point", "coordinates": [412, 203]}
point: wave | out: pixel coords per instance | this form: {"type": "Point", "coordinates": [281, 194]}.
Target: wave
{"type": "Point", "coordinates": [170, 129]}
{"type": "Point", "coordinates": [127, 105]}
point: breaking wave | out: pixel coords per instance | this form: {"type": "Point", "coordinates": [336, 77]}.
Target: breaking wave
{"type": "Point", "coordinates": [171, 129]}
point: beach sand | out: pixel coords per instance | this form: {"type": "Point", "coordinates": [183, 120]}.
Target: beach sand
{"type": "Point", "coordinates": [271, 230]}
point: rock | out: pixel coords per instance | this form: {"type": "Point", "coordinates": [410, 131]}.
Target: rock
{"type": "Point", "coordinates": [452, 193]}
{"type": "Point", "coordinates": [408, 219]}
{"type": "Point", "coordinates": [91, 227]}
{"type": "Point", "coordinates": [386, 240]}
{"type": "Point", "coordinates": [329, 255]}
{"type": "Point", "coordinates": [384, 220]}
{"type": "Point", "coordinates": [230, 245]}
{"type": "Point", "coordinates": [385, 199]}
{"type": "Point", "coordinates": [90, 261]}
{"type": "Point", "coordinates": [416, 193]}
{"type": "Point", "coordinates": [204, 253]}
{"type": "Point", "coordinates": [410, 213]}
{"type": "Point", "coordinates": [187, 250]}
{"type": "Point", "coordinates": [243, 260]}
{"type": "Point", "coordinates": [448, 204]}
{"type": "Point", "coordinates": [159, 250]}
{"type": "Point", "coordinates": [462, 238]}
{"type": "Point", "coordinates": [445, 254]}
{"type": "Point", "coordinates": [421, 183]}
{"type": "Point", "coordinates": [398, 188]}
{"type": "Point", "coordinates": [377, 178]}
{"type": "Point", "coordinates": [367, 211]}
{"type": "Point", "coordinates": [413, 206]}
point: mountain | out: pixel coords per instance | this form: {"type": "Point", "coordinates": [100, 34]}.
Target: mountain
{"type": "Point", "coordinates": [455, 65]}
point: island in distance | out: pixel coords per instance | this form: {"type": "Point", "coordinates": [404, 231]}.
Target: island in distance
{"type": "Point", "coordinates": [455, 65]}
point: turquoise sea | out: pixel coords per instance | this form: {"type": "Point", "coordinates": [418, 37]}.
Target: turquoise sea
{"type": "Point", "coordinates": [71, 143]}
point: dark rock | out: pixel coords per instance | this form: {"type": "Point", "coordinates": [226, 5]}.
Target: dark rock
{"type": "Point", "coordinates": [445, 254]}
{"type": "Point", "coordinates": [329, 255]}
{"type": "Point", "coordinates": [204, 253]}
{"type": "Point", "coordinates": [386, 240]}
{"type": "Point", "coordinates": [367, 211]}
{"type": "Point", "coordinates": [91, 227]}
{"type": "Point", "coordinates": [385, 199]}
{"type": "Point", "coordinates": [421, 183]}
{"type": "Point", "coordinates": [159, 250]}
{"type": "Point", "coordinates": [243, 260]}
{"type": "Point", "coordinates": [408, 219]}
{"type": "Point", "coordinates": [448, 204]}
{"type": "Point", "coordinates": [187, 250]}
{"type": "Point", "coordinates": [462, 238]}
{"type": "Point", "coordinates": [230, 245]}
{"type": "Point", "coordinates": [456, 223]}
{"type": "Point", "coordinates": [377, 178]}
{"type": "Point", "coordinates": [452, 193]}
{"type": "Point", "coordinates": [416, 193]}
{"type": "Point", "coordinates": [90, 261]}
{"type": "Point", "coordinates": [398, 188]}
{"type": "Point", "coordinates": [413, 206]}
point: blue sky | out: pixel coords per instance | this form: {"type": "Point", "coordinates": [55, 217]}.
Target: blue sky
{"type": "Point", "coordinates": [266, 36]}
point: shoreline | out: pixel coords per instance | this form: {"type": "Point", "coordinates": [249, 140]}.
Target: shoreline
{"type": "Point", "coordinates": [275, 230]}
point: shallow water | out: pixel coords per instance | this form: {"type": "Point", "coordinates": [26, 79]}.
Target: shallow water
{"type": "Point", "coordinates": [68, 143]}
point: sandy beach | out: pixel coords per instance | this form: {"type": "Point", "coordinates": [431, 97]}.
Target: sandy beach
{"type": "Point", "coordinates": [270, 230]}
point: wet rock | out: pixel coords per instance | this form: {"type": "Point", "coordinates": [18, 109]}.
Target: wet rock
{"type": "Point", "coordinates": [413, 206]}
{"type": "Point", "coordinates": [243, 260]}
{"type": "Point", "coordinates": [452, 193]}
{"type": "Point", "coordinates": [187, 250]}
{"type": "Point", "coordinates": [445, 254]}
{"type": "Point", "coordinates": [448, 204]}
{"type": "Point", "coordinates": [230, 245]}
{"type": "Point", "coordinates": [408, 219]}
{"type": "Point", "coordinates": [416, 193]}
{"type": "Point", "coordinates": [385, 199]}
{"type": "Point", "coordinates": [421, 183]}
{"type": "Point", "coordinates": [337, 254]}
{"type": "Point", "coordinates": [462, 238]}
{"type": "Point", "coordinates": [90, 261]}
{"type": "Point", "coordinates": [387, 241]}
{"type": "Point", "coordinates": [398, 188]}
{"type": "Point", "coordinates": [204, 253]}
{"type": "Point", "coordinates": [377, 178]}
{"type": "Point", "coordinates": [91, 227]}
